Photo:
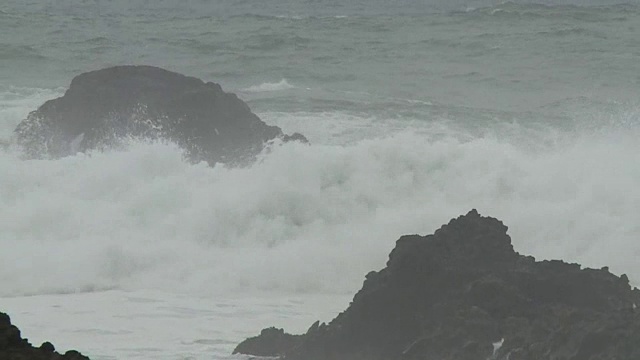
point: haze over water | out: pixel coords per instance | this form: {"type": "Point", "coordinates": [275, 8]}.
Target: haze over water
{"type": "Point", "coordinates": [416, 111]}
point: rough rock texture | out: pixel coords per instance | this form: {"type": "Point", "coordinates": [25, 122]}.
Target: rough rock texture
{"type": "Point", "coordinates": [102, 107]}
{"type": "Point", "coordinates": [463, 293]}
{"type": "Point", "coordinates": [14, 347]}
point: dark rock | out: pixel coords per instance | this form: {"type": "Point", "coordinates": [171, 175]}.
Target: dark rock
{"type": "Point", "coordinates": [14, 347]}
{"type": "Point", "coordinates": [270, 342]}
{"type": "Point", "coordinates": [464, 293]}
{"type": "Point", "coordinates": [47, 347]}
{"type": "Point", "coordinates": [103, 107]}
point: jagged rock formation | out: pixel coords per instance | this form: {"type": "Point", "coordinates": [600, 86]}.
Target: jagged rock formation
{"type": "Point", "coordinates": [463, 293]}
{"type": "Point", "coordinates": [102, 107]}
{"type": "Point", "coordinates": [14, 347]}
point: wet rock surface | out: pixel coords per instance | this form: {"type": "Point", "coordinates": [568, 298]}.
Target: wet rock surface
{"type": "Point", "coordinates": [103, 108]}
{"type": "Point", "coordinates": [14, 347]}
{"type": "Point", "coordinates": [464, 293]}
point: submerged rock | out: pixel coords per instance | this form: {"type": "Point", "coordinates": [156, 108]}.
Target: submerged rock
{"type": "Point", "coordinates": [14, 347]}
{"type": "Point", "coordinates": [464, 293]}
{"type": "Point", "coordinates": [102, 107]}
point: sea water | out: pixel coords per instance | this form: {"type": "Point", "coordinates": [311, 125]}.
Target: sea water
{"type": "Point", "coordinates": [416, 113]}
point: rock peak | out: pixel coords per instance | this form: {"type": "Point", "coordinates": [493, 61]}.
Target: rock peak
{"type": "Point", "coordinates": [469, 239]}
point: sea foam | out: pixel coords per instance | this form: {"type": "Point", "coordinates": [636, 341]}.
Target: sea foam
{"type": "Point", "coordinates": [306, 219]}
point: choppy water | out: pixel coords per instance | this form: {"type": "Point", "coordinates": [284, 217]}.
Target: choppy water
{"type": "Point", "coordinates": [417, 112]}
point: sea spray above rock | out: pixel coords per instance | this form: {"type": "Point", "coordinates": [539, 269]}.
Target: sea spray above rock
{"type": "Point", "coordinates": [102, 107]}
{"type": "Point", "coordinates": [14, 347]}
{"type": "Point", "coordinates": [463, 293]}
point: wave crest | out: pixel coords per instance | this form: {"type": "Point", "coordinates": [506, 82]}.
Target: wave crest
{"type": "Point", "coordinates": [283, 84]}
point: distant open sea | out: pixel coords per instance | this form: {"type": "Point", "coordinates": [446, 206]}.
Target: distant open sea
{"type": "Point", "coordinates": [417, 111]}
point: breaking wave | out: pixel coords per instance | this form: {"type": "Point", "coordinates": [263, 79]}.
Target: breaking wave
{"type": "Point", "coordinates": [307, 219]}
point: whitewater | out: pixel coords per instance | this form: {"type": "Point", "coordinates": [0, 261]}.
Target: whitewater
{"type": "Point", "coordinates": [528, 113]}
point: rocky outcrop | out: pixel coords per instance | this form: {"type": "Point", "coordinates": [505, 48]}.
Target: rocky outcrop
{"type": "Point", "coordinates": [463, 293]}
{"type": "Point", "coordinates": [102, 107]}
{"type": "Point", "coordinates": [14, 347]}
{"type": "Point", "coordinates": [269, 343]}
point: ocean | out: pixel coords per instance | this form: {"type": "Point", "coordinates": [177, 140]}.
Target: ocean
{"type": "Point", "coordinates": [416, 111]}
